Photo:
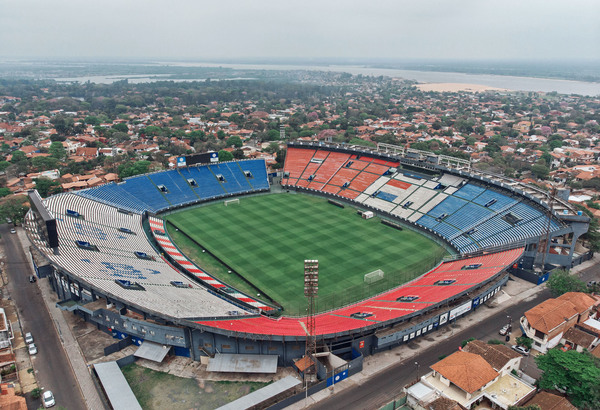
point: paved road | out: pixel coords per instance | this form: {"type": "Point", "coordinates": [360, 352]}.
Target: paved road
{"type": "Point", "coordinates": [53, 371]}
{"type": "Point", "coordinates": [386, 385]}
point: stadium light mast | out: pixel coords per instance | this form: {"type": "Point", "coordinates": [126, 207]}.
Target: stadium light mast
{"type": "Point", "coordinates": [311, 289]}
{"type": "Point", "coordinates": [545, 240]}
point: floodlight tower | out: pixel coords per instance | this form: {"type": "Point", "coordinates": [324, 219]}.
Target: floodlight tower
{"type": "Point", "coordinates": [311, 288]}
{"type": "Point", "coordinates": [544, 243]}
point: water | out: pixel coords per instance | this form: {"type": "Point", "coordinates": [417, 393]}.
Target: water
{"type": "Point", "coordinates": [137, 79]}
{"type": "Point", "coordinates": [497, 81]}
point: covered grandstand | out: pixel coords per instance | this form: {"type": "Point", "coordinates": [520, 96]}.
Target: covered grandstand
{"type": "Point", "coordinates": [116, 266]}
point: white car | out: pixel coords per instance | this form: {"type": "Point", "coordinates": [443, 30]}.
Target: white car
{"type": "Point", "coordinates": [504, 330]}
{"type": "Point", "coordinates": [520, 349]}
{"type": "Point", "coordinates": [48, 399]}
{"type": "Point", "coordinates": [13, 230]}
{"type": "Point", "coordinates": [28, 338]}
{"type": "Point", "coordinates": [32, 349]}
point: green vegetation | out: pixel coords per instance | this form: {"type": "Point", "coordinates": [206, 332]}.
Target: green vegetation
{"type": "Point", "coordinates": [465, 342]}
{"type": "Point", "coordinates": [13, 207]}
{"type": "Point", "coordinates": [158, 390]}
{"type": "Point", "coordinates": [267, 238]}
{"type": "Point", "coordinates": [36, 393]}
{"type": "Point", "coordinates": [495, 342]}
{"type": "Point", "coordinates": [578, 374]}
{"type": "Point", "coordinates": [525, 341]}
{"type": "Point", "coordinates": [562, 282]}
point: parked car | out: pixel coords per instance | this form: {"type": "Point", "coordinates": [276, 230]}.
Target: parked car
{"type": "Point", "coordinates": [520, 349]}
{"type": "Point", "coordinates": [504, 330]}
{"type": "Point", "coordinates": [32, 349]}
{"type": "Point", "coordinates": [12, 230]}
{"type": "Point", "coordinates": [592, 283]}
{"type": "Point", "coordinates": [48, 399]}
{"type": "Point", "coordinates": [32, 279]}
{"type": "Point", "coordinates": [28, 338]}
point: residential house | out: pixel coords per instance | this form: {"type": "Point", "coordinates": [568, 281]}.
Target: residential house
{"type": "Point", "coordinates": [549, 401]}
{"type": "Point", "coordinates": [547, 322]}
{"type": "Point", "coordinates": [469, 379]}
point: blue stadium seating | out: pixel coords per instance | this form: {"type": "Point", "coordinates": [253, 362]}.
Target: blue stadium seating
{"type": "Point", "coordinates": [469, 191]}
{"type": "Point", "coordinates": [235, 180]}
{"type": "Point", "coordinates": [386, 196]}
{"type": "Point", "coordinates": [502, 201]}
{"type": "Point", "coordinates": [208, 186]}
{"type": "Point", "coordinates": [143, 188]}
{"type": "Point", "coordinates": [258, 169]}
{"type": "Point", "coordinates": [468, 215]}
{"type": "Point", "coordinates": [113, 194]}
{"type": "Point", "coordinates": [179, 191]}
{"type": "Point", "coordinates": [448, 206]}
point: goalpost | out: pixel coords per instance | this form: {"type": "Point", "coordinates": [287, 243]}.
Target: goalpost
{"type": "Point", "coordinates": [231, 201]}
{"type": "Point", "coordinates": [374, 276]}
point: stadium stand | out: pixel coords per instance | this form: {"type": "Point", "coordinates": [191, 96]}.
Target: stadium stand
{"type": "Point", "coordinates": [99, 225]}
{"type": "Point", "coordinates": [469, 215]}
{"type": "Point", "coordinates": [179, 191]}
{"type": "Point", "coordinates": [429, 294]}
{"type": "Point", "coordinates": [141, 193]}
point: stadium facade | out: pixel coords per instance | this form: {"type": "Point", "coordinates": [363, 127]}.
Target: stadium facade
{"type": "Point", "coordinates": [116, 266]}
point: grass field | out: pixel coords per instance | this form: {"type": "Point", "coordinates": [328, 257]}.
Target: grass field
{"type": "Point", "coordinates": [267, 238]}
{"type": "Point", "coordinates": [156, 390]}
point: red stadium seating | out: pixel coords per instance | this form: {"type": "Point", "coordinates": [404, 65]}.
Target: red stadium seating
{"type": "Point", "coordinates": [296, 161]}
{"type": "Point", "coordinates": [399, 184]}
{"type": "Point", "coordinates": [385, 307]}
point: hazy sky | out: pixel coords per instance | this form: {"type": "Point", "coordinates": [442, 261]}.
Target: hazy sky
{"type": "Point", "coordinates": [395, 29]}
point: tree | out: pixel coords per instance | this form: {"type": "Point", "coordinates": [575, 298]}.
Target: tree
{"type": "Point", "coordinates": [57, 150]}
{"type": "Point", "coordinates": [121, 127]}
{"type": "Point", "coordinates": [5, 192]}
{"type": "Point", "coordinates": [225, 155]}
{"type": "Point", "coordinates": [562, 282]}
{"type": "Point", "coordinates": [272, 135]}
{"type": "Point", "coordinates": [271, 148]}
{"type": "Point", "coordinates": [540, 171]}
{"type": "Point", "coordinates": [46, 186]}
{"type": "Point", "coordinates": [18, 156]}
{"type": "Point", "coordinates": [576, 373]}
{"type": "Point", "coordinates": [525, 341]}
{"type": "Point", "coordinates": [13, 207]}
{"type": "Point", "coordinates": [44, 163]}
{"type": "Point", "coordinates": [234, 141]}
{"type": "Point", "coordinates": [130, 169]}
{"type": "Point", "coordinates": [238, 154]}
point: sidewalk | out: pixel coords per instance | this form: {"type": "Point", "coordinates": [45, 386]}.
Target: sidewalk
{"type": "Point", "coordinates": [515, 291]}
{"type": "Point", "coordinates": [70, 345]}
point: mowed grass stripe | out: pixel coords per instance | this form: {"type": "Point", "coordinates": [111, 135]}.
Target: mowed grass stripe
{"type": "Point", "coordinates": [266, 239]}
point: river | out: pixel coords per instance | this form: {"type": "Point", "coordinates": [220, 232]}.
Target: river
{"type": "Point", "coordinates": [497, 81]}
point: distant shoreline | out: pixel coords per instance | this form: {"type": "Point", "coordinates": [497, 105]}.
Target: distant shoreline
{"type": "Point", "coordinates": [456, 87]}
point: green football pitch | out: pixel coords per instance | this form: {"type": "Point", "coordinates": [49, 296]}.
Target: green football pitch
{"type": "Point", "coordinates": [265, 239]}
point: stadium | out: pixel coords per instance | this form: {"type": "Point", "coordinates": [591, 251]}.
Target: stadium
{"type": "Point", "coordinates": [207, 258]}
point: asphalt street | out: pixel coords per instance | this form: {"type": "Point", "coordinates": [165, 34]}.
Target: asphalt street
{"type": "Point", "coordinates": [388, 384]}
{"type": "Point", "coordinates": [52, 368]}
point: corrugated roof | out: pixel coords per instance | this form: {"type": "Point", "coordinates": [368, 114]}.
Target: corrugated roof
{"type": "Point", "coordinates": [116, 387]}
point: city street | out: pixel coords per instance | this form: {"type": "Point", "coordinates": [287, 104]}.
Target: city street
{"type": "Point", "coordinates": [52, 369]}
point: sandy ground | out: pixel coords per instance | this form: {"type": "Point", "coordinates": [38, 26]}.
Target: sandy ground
{"type": "Point", "coordinates": [455, 87]}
